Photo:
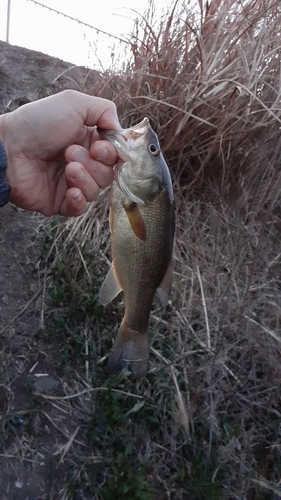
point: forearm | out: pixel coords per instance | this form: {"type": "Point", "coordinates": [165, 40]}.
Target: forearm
{"type": "Point", "coordinates": [2, 120]}
{"type": "Point", "coordinates": [5, 188]}
{"type": "Point", "coordinates": [1, 125]}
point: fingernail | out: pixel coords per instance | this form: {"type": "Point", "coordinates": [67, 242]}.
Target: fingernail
{"type": "Point", "coordinates": [79, 155]}
{"type": "Point", "coordinates": [78, 196]}
{"type": "Point", "coordinates": [79, 174]}
{"type": "Point", "coordinates": [102, 154]}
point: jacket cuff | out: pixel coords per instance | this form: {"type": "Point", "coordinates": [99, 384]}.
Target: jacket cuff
{"type": "Point", "coordinates": [5, 188]}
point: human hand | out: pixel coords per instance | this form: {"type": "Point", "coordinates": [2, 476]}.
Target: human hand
{"type": "Point", "coordinates": [56, 160]}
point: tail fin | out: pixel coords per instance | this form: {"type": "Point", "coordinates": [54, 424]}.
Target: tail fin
{"type": "Point", "coordinates": [130, 351]}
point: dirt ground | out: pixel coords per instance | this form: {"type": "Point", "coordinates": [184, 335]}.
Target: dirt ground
{"type": "Point", "coordinates": [20, 308]}
{"type": "Point", "coordinates": [20, 284]}
{"type": "Point", "coordinates": [25, 76]}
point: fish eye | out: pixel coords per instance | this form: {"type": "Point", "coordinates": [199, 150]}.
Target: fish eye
{"type": "Point", "coordinates": [153, 149]}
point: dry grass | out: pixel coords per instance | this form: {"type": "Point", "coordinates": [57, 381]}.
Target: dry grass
{"type": "Point", "coordinates": [204, 423]}
{"type": "Point", "coordinates": [214, 382]}
{"type": "Point", "coordinates": [208, 77]}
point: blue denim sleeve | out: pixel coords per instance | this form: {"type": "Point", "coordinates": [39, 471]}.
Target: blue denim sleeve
{"type": "Point", "coordinates": [5, 188]}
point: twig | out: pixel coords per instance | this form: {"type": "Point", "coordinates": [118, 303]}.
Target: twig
{"type": "Point", "coordinates": [268, 486]}
{"type": "Point", "coordinates": [20, 458]}
{"type": "Point", "coordinates": [94, 389]}
{"type": "Point", "coordinates": [55, 425]}
{"type": "Point", "coordinates": [210, 351]}
{"type": "Point", "coordinates": [266, 330]}
{"type": "Point", "coordinates": [83, 262]}
{"type": "Point", "coordinates": [86, 354]}
{"type": "Point", "coordinates": [184, 420]}
{"type": "Point", "coordinates": [205, 310]}
{"type": "Point", "coordinates": [66, 447]}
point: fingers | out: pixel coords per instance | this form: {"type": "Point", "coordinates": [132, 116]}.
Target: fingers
{"type": "Point", "coordinates": [74, 204]}
{"type": "Point", "coordinates": [104, 152]}
{"type": "Point", "coordinates": [84, 186]}
{"type": "Point", "coordinates": [97, 165]}
{"type": "Point", "coordinates": [78, 177]}
{"type": "Point", "coordinates": [85, 174]}
{"type": "Point", "coordinates": [93, 110]}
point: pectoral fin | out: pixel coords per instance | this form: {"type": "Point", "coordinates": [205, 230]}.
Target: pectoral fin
{"type": "Point", "coordinates": [165, 288]}
{"type": "Point", "coordinates": [110, 287]}
{"type": "Point", "coordinates": [136, 221]}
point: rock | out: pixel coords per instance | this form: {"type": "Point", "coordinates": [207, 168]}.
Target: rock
{"type": "Point", "coordinates": [46, 384]}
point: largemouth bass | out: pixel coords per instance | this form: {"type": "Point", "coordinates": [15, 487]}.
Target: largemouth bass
{"type": "Point", "coordinates": [142, 232]}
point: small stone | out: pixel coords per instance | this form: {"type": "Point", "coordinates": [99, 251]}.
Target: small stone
{"type": "Point", "coordinates": [33, 287]}
{"type": "Point", "coordinates": [45, 384]}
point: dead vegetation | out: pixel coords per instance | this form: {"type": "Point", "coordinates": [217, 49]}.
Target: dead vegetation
{"type": "Point", "coordinates": [209, 80]}
{"type": "Point", "coordinates": [205, 422]}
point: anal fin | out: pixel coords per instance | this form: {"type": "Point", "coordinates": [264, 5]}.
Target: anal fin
{"type": "Point", "coordinates": [164, 290]}
{"type": "Point", "coordinates": [110, 287]}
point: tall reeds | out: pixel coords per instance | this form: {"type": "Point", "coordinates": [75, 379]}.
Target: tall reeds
{"type": "Point", "coordinates": [207, 74]}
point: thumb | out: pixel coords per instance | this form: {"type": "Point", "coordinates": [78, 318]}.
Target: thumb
{"type": "Point", "coordinates": [94, 110]}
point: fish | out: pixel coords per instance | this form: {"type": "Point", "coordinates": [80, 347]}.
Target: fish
{"type": "Point", "coordinates": [142, 226]}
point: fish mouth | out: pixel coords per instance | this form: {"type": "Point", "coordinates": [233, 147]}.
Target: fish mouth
{"type": "Point", "coordinates": [123, 142]}
{"type": "Point", "coordinates": [120, 139]}
{"type": "Point", "coordinates": [137, 130]}
{"type": "Point", "coordinates": [134, 132]}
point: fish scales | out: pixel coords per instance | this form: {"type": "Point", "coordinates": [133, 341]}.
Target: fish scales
{"type": "Point", "coordinates": [139, 264]}
{"type": "Point", "coordinates": [142, 231]}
